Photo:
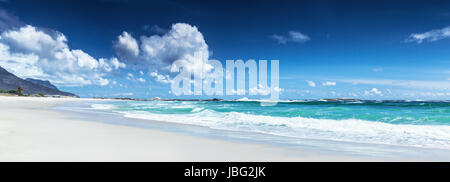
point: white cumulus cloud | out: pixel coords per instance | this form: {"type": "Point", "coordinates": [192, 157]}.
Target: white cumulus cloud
{"type": "Point", "coordinates": [280, 39]}
{"type": "Point", "coordinates": [126, 45]}
{"type": "Point", "coordinates": [161, 78]}
{"type": "Point", "coordinates": [298, 37]}
{"type": "Point", "coordinates": [328, 83]}
{"type": "Point", "coordinates": [421, 84]}
{"type": "Point", "coordinates": [293, 36]}
{"type": "Point", "coordinates": [141, 80]}
{"type": "Point", "coordinates": [183, 44]}
{"type": "Point", "coordinates": [130, 76]}
{"type": "Point", "coordinates": [29, 52]}
{"type": "Point", "coordinates": [373, 91]}
{"type": "Point", "coordinates": [430, 36]}
{"type": "Point", "coordinates": [311, 83]}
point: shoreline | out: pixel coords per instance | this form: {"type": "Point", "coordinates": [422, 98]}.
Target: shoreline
{"type": "Point", "coordinates": [44, 134]}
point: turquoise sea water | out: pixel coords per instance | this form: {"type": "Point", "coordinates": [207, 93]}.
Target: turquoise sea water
{"type": "Point", "coordinates": [415, 123]}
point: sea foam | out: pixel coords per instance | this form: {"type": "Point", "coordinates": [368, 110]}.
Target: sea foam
{"type": "Point", "coordinates": [348, 130]}
{"type": "Point", "coordinates": [226, 116]}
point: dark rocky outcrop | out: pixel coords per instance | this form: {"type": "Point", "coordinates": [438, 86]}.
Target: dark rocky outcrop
{"type": "Point", "coordinates": [9, 81]}
{"type": "Point", "coordinates": [45, 83]}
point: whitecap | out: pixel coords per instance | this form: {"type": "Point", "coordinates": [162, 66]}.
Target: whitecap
{"type": "Point", "coordinates": [348, 130]}
{"type": "Point", "coordinates": [103, 106]}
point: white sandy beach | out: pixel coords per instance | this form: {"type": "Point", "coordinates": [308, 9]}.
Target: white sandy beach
{"type": "Point", "coordinates": [28, 132]}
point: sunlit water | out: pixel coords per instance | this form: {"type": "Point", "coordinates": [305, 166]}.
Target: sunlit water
{"type": "Point", "coordinates": [418, 124]}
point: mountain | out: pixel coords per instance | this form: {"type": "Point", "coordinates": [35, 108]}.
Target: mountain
{"type": "Point", "coordinates": [45, 83]}
{"type": "Point", "coordinates": [9, 81]}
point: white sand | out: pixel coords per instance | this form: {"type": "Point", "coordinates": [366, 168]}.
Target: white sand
{"type": "Point", "coordinates": [30, 133]}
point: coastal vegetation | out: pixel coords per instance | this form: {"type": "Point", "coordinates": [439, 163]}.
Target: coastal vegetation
{"type": "Point", "coordinates": [18, 92]}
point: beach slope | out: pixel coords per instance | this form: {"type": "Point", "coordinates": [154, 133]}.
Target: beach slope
{"type": "Point", "coordinates": [31, 132]}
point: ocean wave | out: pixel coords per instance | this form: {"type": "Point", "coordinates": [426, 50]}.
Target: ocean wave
{"type": "Point", "coordinates": [181, 106]}
{"type": "Point", "coordinates": [348, 130]}
{"type": "Point", "coordinates": [103, 106]}
{"type": "Point", "coordinates": [245, 99]}
{"type": "Point", "coordinates": [197, 109]}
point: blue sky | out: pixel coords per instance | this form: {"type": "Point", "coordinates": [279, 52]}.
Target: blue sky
{"type": "Point", "coordinates": [359, 49]}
